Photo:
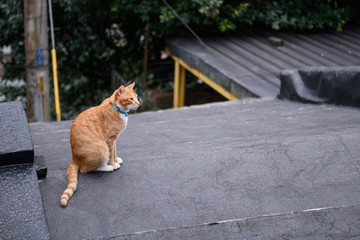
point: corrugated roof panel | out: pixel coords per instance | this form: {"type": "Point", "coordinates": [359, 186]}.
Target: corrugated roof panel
{"type": "Point", "coordinates": [259, 56]}
{"type": "Point", "coordinates": [268, 53]}
{"type": "Point", "coordinates": [242, 57]}
{"type": "Point", "coordinates": [248, 61]}
{"type": "Point", "coordinates": [339, 46]}
{"type": "Point", "coordinates": [307, 50]}
{"type": "Point", "coordinates": [336, 55]}
{"type": "Point", "coordinates": [347, 42]}
{"type": "Point", "coordinates": [276, 53]}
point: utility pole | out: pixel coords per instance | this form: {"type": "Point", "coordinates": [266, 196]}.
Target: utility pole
{"type": "Point", "coordinates": [37, 60]}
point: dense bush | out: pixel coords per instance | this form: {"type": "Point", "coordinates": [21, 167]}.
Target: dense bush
{"type": "Point", "coordinates": [94, 36]}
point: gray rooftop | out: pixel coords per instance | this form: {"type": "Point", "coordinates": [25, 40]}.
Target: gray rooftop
{"type": "Point", "coordinates": [246, 169]}
{"type": "Point", "coordinates": [245, 63]}
{"type": "Point", "coordinates": [22, 215]}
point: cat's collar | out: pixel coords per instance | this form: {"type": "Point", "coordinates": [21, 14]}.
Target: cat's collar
{"type": "Point", "coordinates": [117, 109]}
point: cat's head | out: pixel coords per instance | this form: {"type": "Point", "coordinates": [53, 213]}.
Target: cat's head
{"type": "Point", "coordinates": [126, 99]}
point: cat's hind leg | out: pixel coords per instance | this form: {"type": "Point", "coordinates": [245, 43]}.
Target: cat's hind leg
{"type": "Point", "coordinates": [105, 167]}
{"type": "Point", "coordinates": [105, 158]}
{"type": "Point", "coordinates": [109, 165]}
{"type": "Point", "coordinates": [96, 158]}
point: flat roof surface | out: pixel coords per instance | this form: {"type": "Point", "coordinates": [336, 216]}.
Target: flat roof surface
{"type": "Point", "coordinates": [246, 169]}
{"type": "Point", "coordinates": [245, 63]}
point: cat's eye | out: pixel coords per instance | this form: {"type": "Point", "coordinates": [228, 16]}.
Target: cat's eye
{"type": "Point", "coordinates": [131, 99]}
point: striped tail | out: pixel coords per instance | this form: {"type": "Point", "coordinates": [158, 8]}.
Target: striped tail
{"type": "Point", "coordinates": [72, 173]}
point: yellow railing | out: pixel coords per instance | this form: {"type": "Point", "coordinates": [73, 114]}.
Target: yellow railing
{"type": "Point", "coordinates": [179, 82]}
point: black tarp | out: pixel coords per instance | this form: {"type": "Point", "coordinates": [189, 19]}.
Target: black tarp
{"type": "Point", "coordinates": [332, 85]}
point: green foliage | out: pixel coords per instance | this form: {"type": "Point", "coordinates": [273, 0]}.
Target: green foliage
{"type": "Point", "coordinates": [209, 8]}
{"type": "Point", "coordinates": [94, 36]}
{"type": "Point", "coordinates": [12, 90]}
{"type": "Point", "coordinates": [299, 14]}
{"type": "Point", "coordinates": [12, 34]}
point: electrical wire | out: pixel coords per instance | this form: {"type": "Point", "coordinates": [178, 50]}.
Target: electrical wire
{"type": "Point", "coordinates": [187, 26]}
{"type": "Point", "coordinates": [51, 26]}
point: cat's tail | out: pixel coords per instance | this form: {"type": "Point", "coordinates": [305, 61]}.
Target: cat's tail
{"type": "Point", "coordinates": [72, 173]}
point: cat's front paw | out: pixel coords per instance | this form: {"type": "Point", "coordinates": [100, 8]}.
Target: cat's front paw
{"type": "Point", "coordinates": [117, 166]}
{"type": "Point", "coordinates": [119, 160]}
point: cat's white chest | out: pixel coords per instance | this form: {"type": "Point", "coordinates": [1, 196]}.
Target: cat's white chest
{"type": "Point", "coordinates": [125, 120]}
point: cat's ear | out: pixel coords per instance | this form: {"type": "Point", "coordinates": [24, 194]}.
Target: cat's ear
{"type": "Point", "coordinates": [131, 85]}
{"type": "Point", "coordinates": [121, 90]}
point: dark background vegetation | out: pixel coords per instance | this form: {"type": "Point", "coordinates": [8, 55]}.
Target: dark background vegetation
{"type": "Point", "coordinates": [92, 37]}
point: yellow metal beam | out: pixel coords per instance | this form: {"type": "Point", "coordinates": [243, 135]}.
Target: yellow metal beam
{"type": "Point", "coordinates": [179, 85]}
{"type": "Point", "coordinates": [176, 84]}
{"type": "Point", "coordinates": [182, 87]}
{"type": "Point", "coordinates": [180, 93]}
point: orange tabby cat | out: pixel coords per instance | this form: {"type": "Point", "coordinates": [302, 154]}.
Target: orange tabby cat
{"type": "Point", "coordinates": [93, 137]}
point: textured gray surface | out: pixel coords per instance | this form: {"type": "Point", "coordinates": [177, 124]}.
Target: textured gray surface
{"type": "Point", "coordinates": [334, 85]}
{"type": "Point", "coordinates": [327, 223]}
{"type": "Point", "coordinates": [21, 213]}
{"type": "Point", "coordinates": [245, 63]}
{"type": "Point", "coordinates": [15, 139]}
{"type": "Point", "coordinates": [220, 162]}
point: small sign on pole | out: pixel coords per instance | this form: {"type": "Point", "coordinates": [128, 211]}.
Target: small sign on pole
{"type": "Point", "coordinates": [41, 83]}
{"type": "Point", "coordinates": [39, 57]}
